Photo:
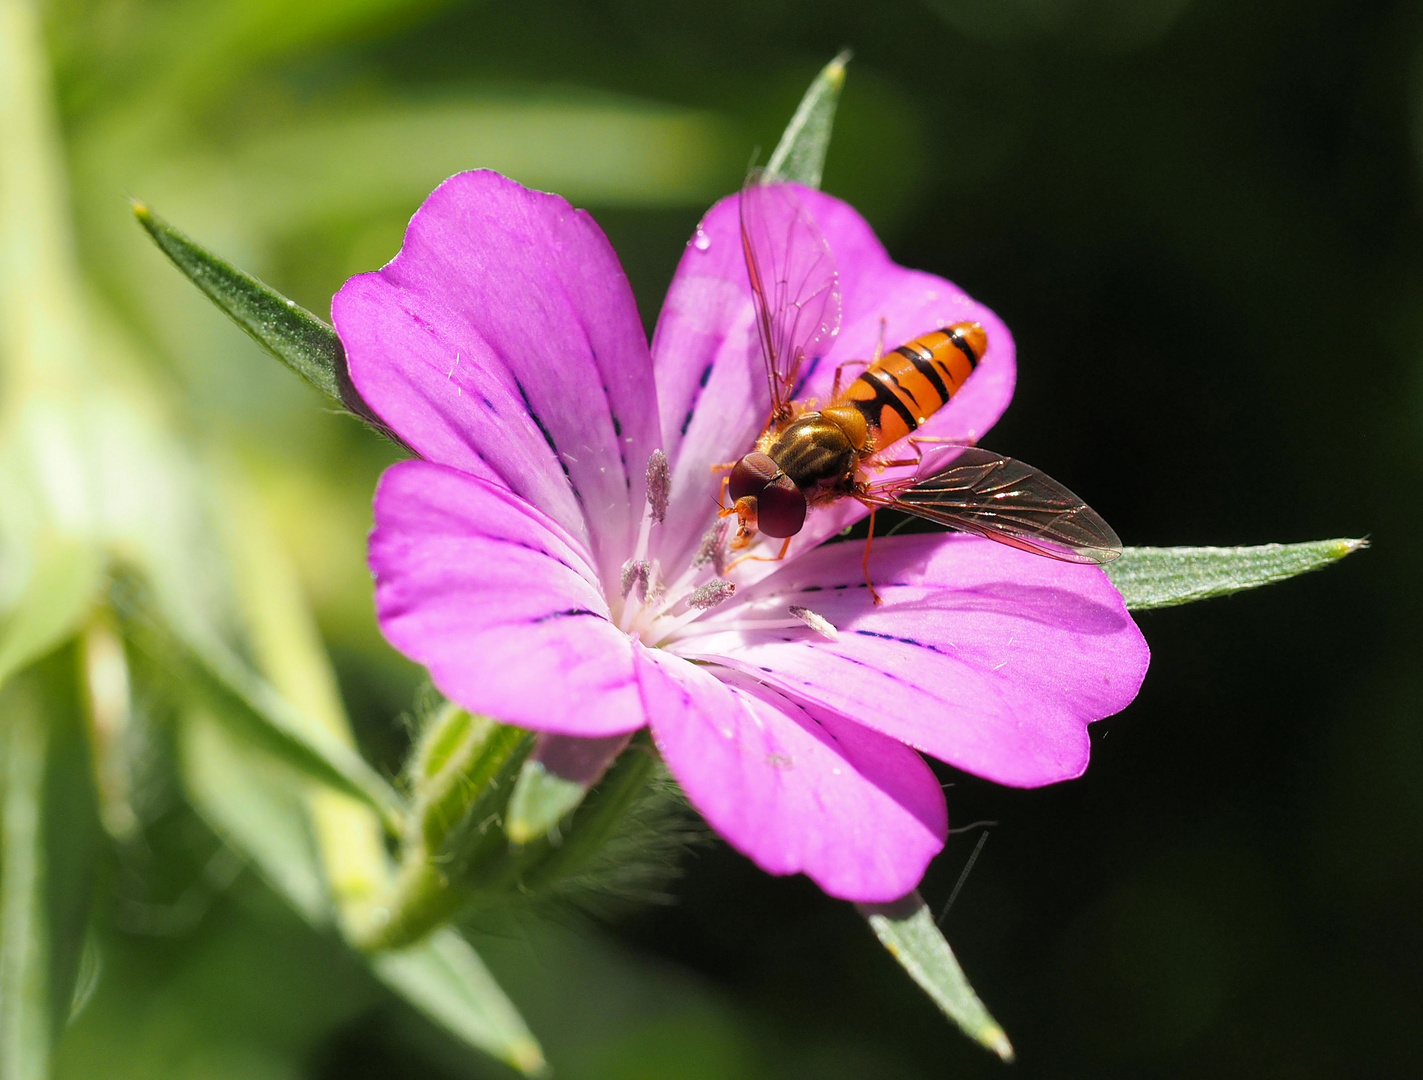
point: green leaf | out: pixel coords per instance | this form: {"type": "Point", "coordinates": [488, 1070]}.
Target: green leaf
{"type": "Point", "coordinates": [907, 929]}
{"type": "Point", "coordinates": [250, 705]}
{"type": "Point", "coordinates": [72, 832]}
{"type": "Point", "coordinates": [444, 978]}
{"type": "Point", "coordinates": [287, 648]}
{"type": "Point", "coordinates": [800, 155]}
{"type": "Point", "coordinates": [47, 857]}
{"type": "Point", "coordinates": [296, 337]}
{"type": "Point", "coordinates": [62, 585]}
{"type": "Point", "coordinates": [25, 1019]}
{"type": "Point", "coordinates": [241, 699]}
{"type": "Point", "coordinates": [1160, 577]}
{"type": "Point", "coordinates": [255, 804]}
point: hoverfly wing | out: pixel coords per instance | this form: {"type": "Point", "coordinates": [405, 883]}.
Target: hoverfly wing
{"type": "Point", "coordinates": [793, 282]}
{"type": "Point", "coordinates": [1005, 500]}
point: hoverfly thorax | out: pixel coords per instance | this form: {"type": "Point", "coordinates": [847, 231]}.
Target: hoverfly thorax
{"type": "Point", "coordinates": [812, 459]}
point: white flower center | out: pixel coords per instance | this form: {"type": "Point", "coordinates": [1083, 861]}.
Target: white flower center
{"type": "Point", "coordinates": [659, 610]}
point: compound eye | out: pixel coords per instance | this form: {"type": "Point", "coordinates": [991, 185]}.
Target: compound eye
{"type": "Point", "coordinates": [780, 508]}
{"type": "Point", "coordinates": [750, 475]}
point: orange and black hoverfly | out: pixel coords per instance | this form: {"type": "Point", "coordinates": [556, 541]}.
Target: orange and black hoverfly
{"type": "Point", "coordinates": [808, 456]}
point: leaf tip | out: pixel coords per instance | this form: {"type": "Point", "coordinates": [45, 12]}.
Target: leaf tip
{"type": "Point", "coordinates": [834, 72]}
{"type": "Point", "coordinates": [526, 1056]}
{"type": "Point", "coordinates": [996, 1039]}
{"type": "Point", "coordinates": [1349, 546]}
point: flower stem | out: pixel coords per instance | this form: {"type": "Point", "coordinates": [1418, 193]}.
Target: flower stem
{"type": "Point", "coordinates": [463, 771]}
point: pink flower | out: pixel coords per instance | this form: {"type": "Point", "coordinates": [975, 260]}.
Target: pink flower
{"type": "Point", "coordinates": [518, 560]}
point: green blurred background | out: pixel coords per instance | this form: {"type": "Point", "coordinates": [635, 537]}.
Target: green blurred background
{"type": "Point", "coordinates": [1200, 220]}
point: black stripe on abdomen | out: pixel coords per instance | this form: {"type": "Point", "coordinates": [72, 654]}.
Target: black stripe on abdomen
{"type": "Point", "coordinates": [885, 395]}
{"type": "Point", "coordinates": [924, 364]}
{"type": "Point", "coordinates": [957, 337]}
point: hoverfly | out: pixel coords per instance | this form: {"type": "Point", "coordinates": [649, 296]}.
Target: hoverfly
{"type": "Point", "coordinates": [807, 456]}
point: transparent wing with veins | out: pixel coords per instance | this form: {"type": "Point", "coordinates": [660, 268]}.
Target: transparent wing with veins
{"type": "Point", "coordinates": [793, 282]}
{"type": "Point", "coordinates": [1005, 500]}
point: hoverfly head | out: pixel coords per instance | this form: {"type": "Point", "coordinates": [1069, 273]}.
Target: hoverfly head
{"type": "Point", "coordinates": [765, 499]}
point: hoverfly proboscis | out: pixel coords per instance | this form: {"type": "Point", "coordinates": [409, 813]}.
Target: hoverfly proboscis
{"type": "Point", "coordinates": [808, 456]}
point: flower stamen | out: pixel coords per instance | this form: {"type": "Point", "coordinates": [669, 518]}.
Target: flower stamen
{"type": "Point", "coordinates": [712, 549]}
{"type": "Point", "coordinates": [714, 592]}
{"type": "Point", "coordinates": [819, 623]}
{"type": "Point", "coordinates": [635, 575]}
{"type": "Point", "coordinates": [659, 486]}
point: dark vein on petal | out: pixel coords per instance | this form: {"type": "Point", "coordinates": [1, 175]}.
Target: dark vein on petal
{"type": "Point", "coordinates": [548, 438]}
{"type": "Point", "coordinates": [569, 613]}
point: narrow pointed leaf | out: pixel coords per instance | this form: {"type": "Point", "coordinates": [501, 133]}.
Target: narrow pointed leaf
{"type": "Point", "coordinates": [25, 1020]}
{"type": "Point", "coordinates": [249, 799]}
{"type": "Point", "coordinates": [62, 585]}
{"type": "Point", "coordinates": [47, 857]}
{"type": "Point", "coordinates": [444, 978]}
{"type": "Point", "coordinates": [907, 929]}
{"type": "Point", "coordinates": [288, 650]}
{"type": "Point", "coordinates": [800, 155]}
{"type": "Point", "coordinates": [306, 344]}
{"type": "Point", "coordinates": [250, 705]}
{"type": "Point", "coordinates": [1161, 577]}
{"type": "Point", "coordinates": [240, 698]}
{"type": "Point", "coordinates": [72, 831]}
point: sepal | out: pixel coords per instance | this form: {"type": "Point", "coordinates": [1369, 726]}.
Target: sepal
{"type": "Point", "coordinates": [800, 155]}
{"type": "Point", "coordinates": [306, 344]}
{"type": "Point", "coordinates": [907, 929]}
{"type": "Point", "coordinates": [1162, 577]}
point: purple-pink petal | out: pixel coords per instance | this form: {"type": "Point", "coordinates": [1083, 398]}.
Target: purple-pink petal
{"type": "Point", "coordinates": [711, 383]}
{"type": "Point", "coordinates": [504, 339]}
{"type": "Point", "coordinates": [795, 788]}
{"type": "Point", "coordinates": [499, 603]}
{"type": "Point", "coordinates": [988, 658]}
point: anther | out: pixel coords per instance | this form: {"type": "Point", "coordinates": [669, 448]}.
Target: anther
{"type": "Point", "coordinates": [635, 575]}
{"type": "Point", "coordinates": [819, 623]}
{"type": "Point", "coordinates": [659, 485]}
{"type": "Point", "coordinates": [711, 549]}
{"type": "Point", "coordinates": [708, 596]}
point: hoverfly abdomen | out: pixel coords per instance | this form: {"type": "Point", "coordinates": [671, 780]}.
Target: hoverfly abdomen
{"type": "Point", "coordinates": [904, 388]}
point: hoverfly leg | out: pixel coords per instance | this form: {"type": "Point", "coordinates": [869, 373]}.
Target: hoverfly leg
{"type": "Point", "coordinates": [879, 352]}
{"type": "Point", "coordinates": [835, 387]}
{"type": "Point", "coordinates": [761, 558]}
{"type": "Point", "coordinates": [916, 443]}
{"type": "Point", "coordinates": [865, 564]}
